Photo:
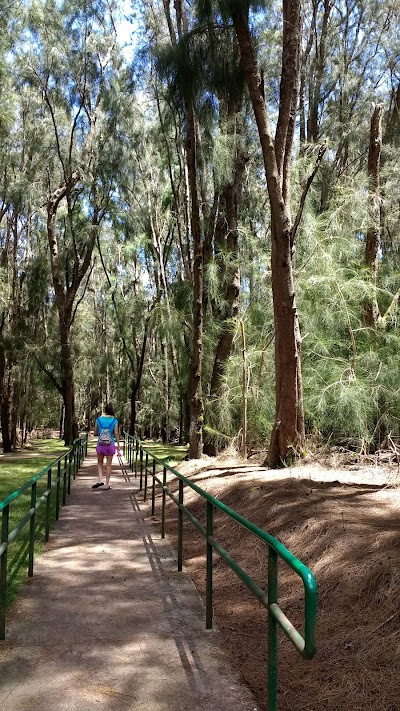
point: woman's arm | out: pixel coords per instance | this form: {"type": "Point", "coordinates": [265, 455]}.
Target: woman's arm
{"type": "Point", "coordinates": [96, 429]}
{"type": "Point", "coordinates": [116, 434]}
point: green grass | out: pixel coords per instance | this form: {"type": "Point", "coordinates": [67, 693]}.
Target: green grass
{"type": "Point", "coordinates": [170, 453]}
{"type": "Point", "coordinates": [15, 470]}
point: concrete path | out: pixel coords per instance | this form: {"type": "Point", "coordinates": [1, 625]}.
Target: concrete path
{"type": "Point", "coordinates": [107, 623]}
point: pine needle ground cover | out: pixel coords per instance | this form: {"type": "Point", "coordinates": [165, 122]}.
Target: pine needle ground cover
{"type": "Point", "coordinates": [344, 525]}
{"type": "Point", "coordinates": [15, 470]}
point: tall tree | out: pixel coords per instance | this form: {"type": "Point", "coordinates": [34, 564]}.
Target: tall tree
{"type": "Point", "coordinates": [288, 431]}
{"type": "Point", "coordinates": [76, 85]}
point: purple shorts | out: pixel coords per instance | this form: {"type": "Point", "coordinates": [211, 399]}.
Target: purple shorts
{"type": "Point", "coordinates": [107, 450]}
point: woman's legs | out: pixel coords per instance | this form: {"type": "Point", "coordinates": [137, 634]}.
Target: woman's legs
{"type": "Point", "coordinates": [108, 469]}
{"type": "Point", "coordinates": [100, 461]}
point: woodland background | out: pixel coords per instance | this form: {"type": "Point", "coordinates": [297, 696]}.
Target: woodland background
{"type": "Point", "coordinates": [149, 181]}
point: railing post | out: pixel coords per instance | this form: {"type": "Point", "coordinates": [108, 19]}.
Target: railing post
{"type": "Point", "coordinates": [64, 498]}
{"type": "Point", "coordinates": [58, 489]}
{"type": "Point", "coordinates": [141, 468]}
{"type": "Point", "coordinates": [272, 680]}
{"type": "Point", "coordinates": [180, 527]}
{"type": "Point", "coordinates": [145, 477]}
{"type": "Point", "coordinates": [32, 530]}
{"type": "Point", "coordinates": [75, 459]}
{"type": "Point", "coordinates": [69, 470]}
{"type": "Point", "coordinates": [209, 568]}
{"type": "Point", "coordinates": [153, 491]}
{"type": "Point", "coordinates": [86, 443]}
{"type": "Point", "coordinates": [164, 496]}
{"type": "Point", "coordinates": [3, 570]}
{"type": "Point", "coordinates": [48, 501]}
{"type": "Point", "coordinates": [136, 442]}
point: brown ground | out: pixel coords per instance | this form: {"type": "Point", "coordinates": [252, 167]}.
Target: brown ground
{"type": "Point", "coordinates": [344, 524]}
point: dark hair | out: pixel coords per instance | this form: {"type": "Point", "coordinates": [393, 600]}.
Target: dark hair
{"type": "Point", "coordinates": [109, 410]}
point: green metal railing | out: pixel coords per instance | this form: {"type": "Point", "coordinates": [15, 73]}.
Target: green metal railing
{"type": "Point", "coordinates": [64, 468]}
{"type": "Point", "coordinates": [138, 459]}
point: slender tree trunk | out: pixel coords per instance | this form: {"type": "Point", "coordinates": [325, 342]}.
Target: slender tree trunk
{"type": "Point", "coordinates": [15, 402]}
{"type": "Point", "coordinates": [132, 419]}
{"type": "Point", "coordinates": [230, 244]}
{"type": "Point", "coordinates": [195, 390]}
{"type": "Point", "coordinates": [4, 402]}
{"type": "Point", "coordinates": [244, 392]}
{"type": "Point", "coordinates": [318, 75]}
{"type": "Point", "coordinates": [392, 133]}
{"type": "Point", "coordinates": [181, 433]}
{"type": "Point", "coordinates": [193, 208]}
{"type": "Point", "coordinates": [62, 420]}
{"type": "Point", "coordinates": [136, 382]}
{"type": "Point", "coordinates": [288, 432]}
{"type": "Point", "coordinates": [70, 424]}
{"type": "Point", "coordinates": [165, 432]}
{"type": "Point", "coordinates": [373, 238]}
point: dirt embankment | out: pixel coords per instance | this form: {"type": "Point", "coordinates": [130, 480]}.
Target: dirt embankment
{"type": "Point", "coordinates": [345, 526]}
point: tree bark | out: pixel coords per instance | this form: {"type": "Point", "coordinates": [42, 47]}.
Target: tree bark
{"type": "Point", "coordinates": [318, 74]}
{"type": "Point", "coordinates": [288, 431]}
{"type": "Point", "coordinates": [70, 424]}
{"type": "Point", "coordinates": [229, 241]}
{"type": "Point", "coordinates": [65, 298]}
{"type": "Point", "coordinates": [244, 391]}
{"type": "Point", "coordinates": [373, 238]}
{"type": "Point", "coordinates": [195, 390]}
{"type": "Point", "coordinates": [4, 402]}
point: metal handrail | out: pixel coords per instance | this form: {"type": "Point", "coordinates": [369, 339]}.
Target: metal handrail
{"type": "Point", "coordinates": [72, 460]}
{"type": "Point", "coordinates": [306, 645]}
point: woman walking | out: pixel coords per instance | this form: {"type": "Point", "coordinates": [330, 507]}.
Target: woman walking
{"type": "Point", "coordinates": [106, 428]}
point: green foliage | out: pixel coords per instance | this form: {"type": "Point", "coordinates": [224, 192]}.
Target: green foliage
{"type": "Point", "coordinates": [69, 104]}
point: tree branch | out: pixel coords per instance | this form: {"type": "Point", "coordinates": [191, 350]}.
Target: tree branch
{"type": "Point", "coordinates": [306, 188]}
{"type": "Point", "coordinates": [49, 374]}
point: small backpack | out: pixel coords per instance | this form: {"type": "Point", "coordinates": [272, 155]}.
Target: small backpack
{"type": "Point", "coordinates": [105, 434]}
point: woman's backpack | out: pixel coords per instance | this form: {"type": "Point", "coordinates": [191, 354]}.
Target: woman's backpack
{"type": "Point", "coordinates": [105, 433]}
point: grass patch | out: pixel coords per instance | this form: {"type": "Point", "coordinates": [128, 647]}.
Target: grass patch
{"type": "Point", "coordinates": [170, 453]}
{"type": "Point", "coordinates": [16, 469]}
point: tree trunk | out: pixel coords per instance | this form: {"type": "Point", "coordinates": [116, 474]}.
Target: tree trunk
{"type": "Point", "coordinates": [68, 389]}
{"type": "Point", "coordinates": [196, 398]}
{"type": "Point", "coordinates": [165, 428]}
{"type": "Point", "coordinates": [288, 432]}
{"type": "Point", "coordinates": [392, 134]}
{"type": "Point", "coordinates": [244, 391]}
{"type": "Point", "coordinates": [318, 74]}
{"type": "Point", "coordinates": [373, 239]}
{"type": "Point", "coordinates": [230, 201]}
{"type": "Point", "coordinates": [4, 402]}
{"type": "Point", "coordinates": [132, 419]}
{"type": "Point", "coordinates": [62, 420]}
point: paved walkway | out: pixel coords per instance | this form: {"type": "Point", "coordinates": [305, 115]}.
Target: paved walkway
{"type": "Point", "coordinates": [107, 623]}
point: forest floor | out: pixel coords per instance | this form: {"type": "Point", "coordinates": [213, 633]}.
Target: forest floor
{"type": "Point", "coordinates": [341, 517]}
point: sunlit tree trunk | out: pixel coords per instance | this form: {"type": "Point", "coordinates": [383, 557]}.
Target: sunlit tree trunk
{"type": "Point", "coordinates": [288, 432]}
